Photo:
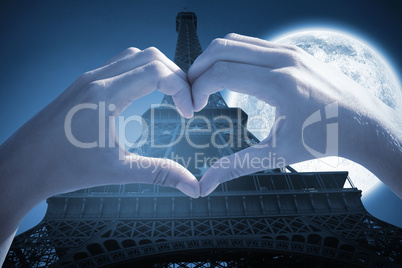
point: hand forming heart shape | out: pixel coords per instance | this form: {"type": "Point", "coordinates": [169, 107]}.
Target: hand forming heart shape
{"type": "Point", "coordinates": [297, 84]}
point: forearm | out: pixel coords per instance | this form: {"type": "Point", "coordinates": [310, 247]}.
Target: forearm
{"type": "Point", "coordinates": [385, 158]}
{"type": "Point", "coordinates": [375, 142]}
{"type": "Point", "coordinates": [20, 190]}
{"type": "Point", "coordinates": [8, 218]}
{"type": "Point", "coordinates": [5, 246]}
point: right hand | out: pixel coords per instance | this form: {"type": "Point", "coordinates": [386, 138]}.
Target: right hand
{"type": "Point", "coordinates": [299, 86]}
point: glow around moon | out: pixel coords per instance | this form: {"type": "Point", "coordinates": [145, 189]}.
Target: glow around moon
{"type": "Point", "coordinates": [354, 58]}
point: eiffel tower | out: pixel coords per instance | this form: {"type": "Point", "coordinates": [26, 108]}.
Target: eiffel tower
{"type": "Point", "coordinates": [273, 218]}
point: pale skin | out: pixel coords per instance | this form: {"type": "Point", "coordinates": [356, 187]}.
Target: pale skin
{"type": "Point", "coordinates": [38, 161]}
{"type": "Point", "coordinates": [298, 85]}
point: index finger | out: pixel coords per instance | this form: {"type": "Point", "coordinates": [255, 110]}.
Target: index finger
{"type": "Point", "coordinates": [238, 52]}
{"type": "Point", "coordinates": [259, 42]}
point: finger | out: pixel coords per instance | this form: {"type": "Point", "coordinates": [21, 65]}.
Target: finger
{"type": "Point", "coordinates": [157, 171]}
{"type": "Point", "coordinates": [240, 52]}
{"type": "Point", "coordinates": [121, 90]}
{"type": "Point", "coordinates": [183, 102]}
{"type": "Point", "coordinates": [278, 150]}
{"type": "Point", "coordinates": [133, 58]}
{"type": "Point", "coordinates": [259, 42]}
{"type": "Point", "coordinates": [253, 159]}
{"type": "Point", "coordinates": [261, 82]}
{"type": "Point", "coordinates": [129, 51]}
{"type": "Point", "coordinates": [130, 59]}
{"type": "Point", "coordinates": [282, 147]}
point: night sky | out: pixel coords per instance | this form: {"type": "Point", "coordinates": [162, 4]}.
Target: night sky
{"type": "Point", "coordinates": [45, 45]}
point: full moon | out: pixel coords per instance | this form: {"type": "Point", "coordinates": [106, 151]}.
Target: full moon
{"type": "Point", "coordinates": [354, 58]}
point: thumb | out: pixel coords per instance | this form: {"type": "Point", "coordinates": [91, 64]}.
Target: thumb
{"type": "Point", "coordinates": [160, 171]}
{"type": "Point", "coordinates": [253, 159]}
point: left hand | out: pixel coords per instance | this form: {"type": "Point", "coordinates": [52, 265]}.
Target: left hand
{"type": "Point", "coordinates": [71, 144]}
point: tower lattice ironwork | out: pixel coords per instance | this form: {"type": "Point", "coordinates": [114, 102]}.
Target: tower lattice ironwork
{"type": "Point", "coordinates": [272, 218]}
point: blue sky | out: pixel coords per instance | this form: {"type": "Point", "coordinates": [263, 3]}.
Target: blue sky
{"type": "Point", "coordinates": [45, 45]}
